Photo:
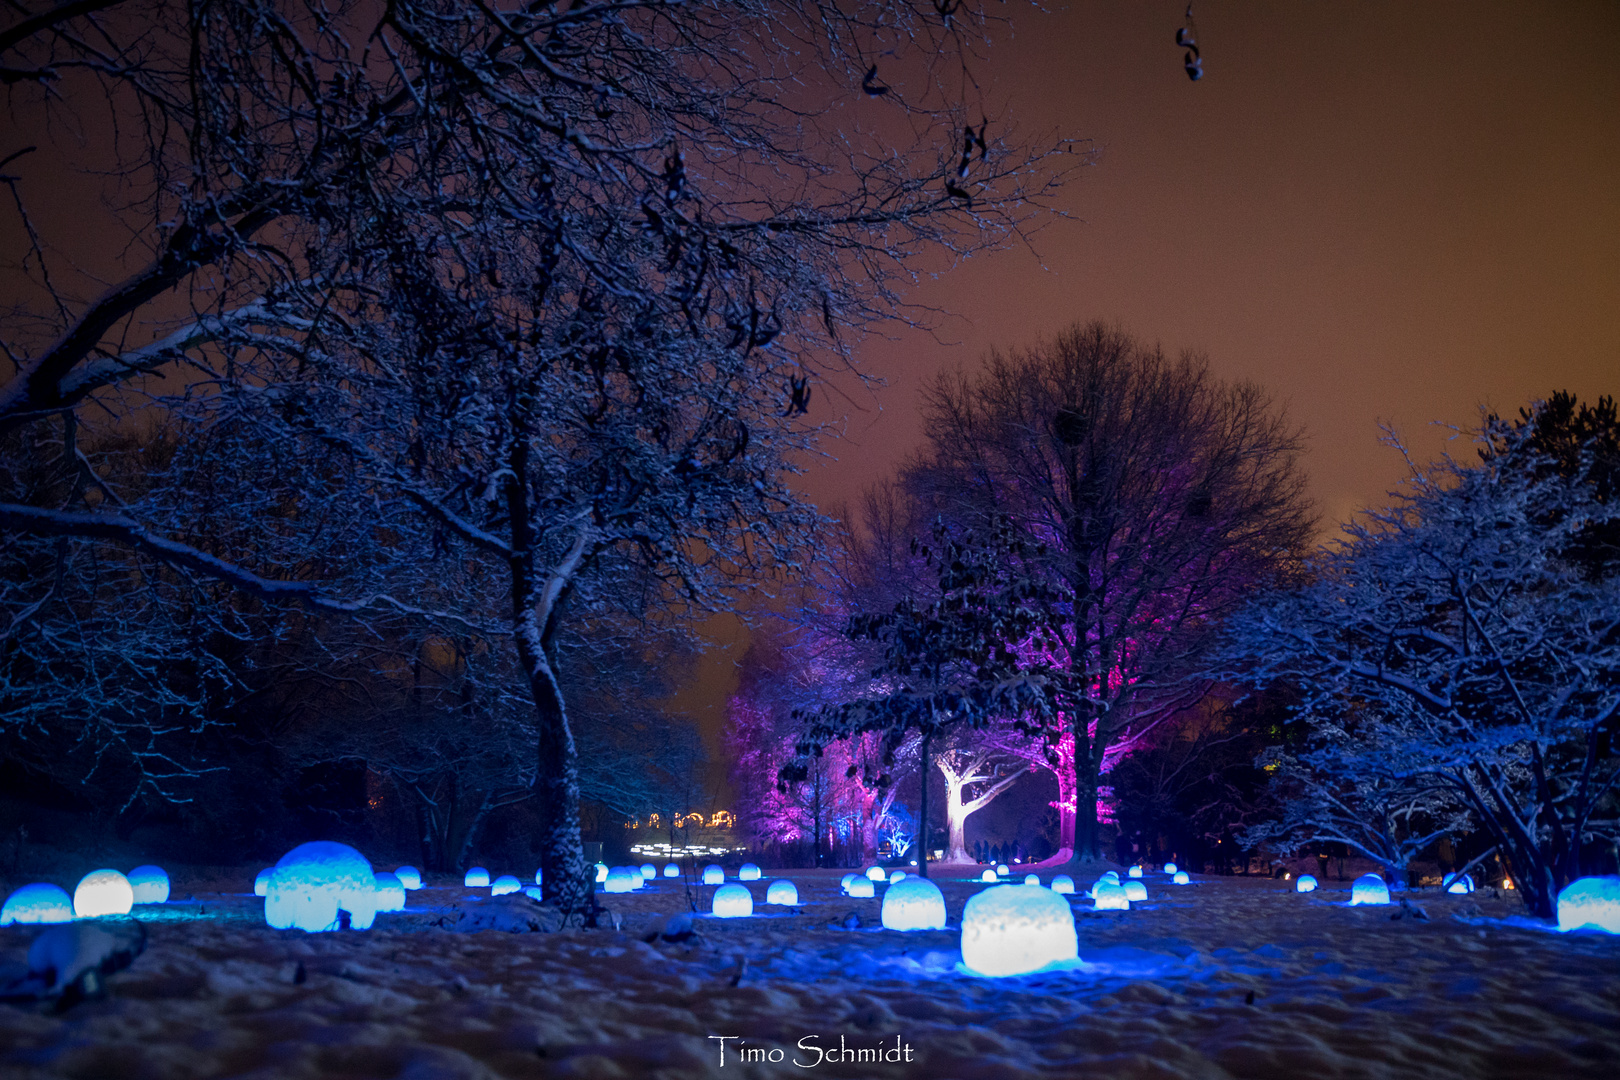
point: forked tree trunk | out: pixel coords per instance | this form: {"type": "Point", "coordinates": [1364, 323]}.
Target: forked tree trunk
{"type": "Point", "coordinates": [567, 882]}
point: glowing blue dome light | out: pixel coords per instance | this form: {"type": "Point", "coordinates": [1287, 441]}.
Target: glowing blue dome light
{"type": "Point", "coordinates": [1590, 902]}
{"type": "Point", "coordinates": [1111, 875]}
{"type": "Point", "coordinates": [103, 892]}
{"type": "Point", "coordinates": [672, 869]}
{"type": "Point", "coordinates": [1110, 897]}
{"type": "Point", "coordinates": [1016, 929]}
{"type": "Point", "coordinates": [261, 881]}
{"type": "Point", "coordinates": [151, 884]}
{"type": "Point", "coordinates": [1306, 883]}
{"type": "Point", "coordinates": [390, 892]}
{"type": "Point", "coordinates": [1135, 891]}
{"type": "Point", "coordinates": [1135, 871]}
{"type": "Point", "coordinates": [988, 875]}
{"type": "Point", "coordinates": [896, 875]}
{"type": "Point", "coordinates": [1181, 878]}
{"type": "Point", "coordinates": [876, 873]}
{"type": "Point", "coordinates": [1001, 870]}
{"type": "Point", "coordinates": [1032, 879]}
{"type": "Point", "coordinates": [648, 871]}
{"type": "Point", "coordinates": [313, 882]}
{"type": "Point", "coordinates": [733, 902]}
{"type": "Point", "coordinates": [37, 903]}
{"type": "Point", "coordinates": [601, 872]}
{"type": "Point", "coordinates": [914, 904]}
{"type": "Point", "coordinates": [506, 883]}
{"type": "Point", "coordinates": [621, 879]}
{"type": "Point", "coordinates": [1170, 868]}
{"type": "Point", "coordinates": [1458, 884]}
{"type": "Point", "coordinates": [409, 876]}
{"type": "Point", "coordinates": [477, 878]}
{"type": "Point", "coordinates": [748, 872]}
{"type": "Point", "coordinates": [862, 888]}
{"type": "Point", "coordinates": [533, 892]}
{"type": "Point", "coordinates": [539, 875]}
{"type": "Point", "coordinates": [1064, 884]}
{"type": "Point", "coordinates": [782, 891]}
{"type": "Point", "coordinates": [713, 874]}
{"type": "Point", "coordinates": [843, 882]}
{"type": "Point", "coordinates": [1369, 889]}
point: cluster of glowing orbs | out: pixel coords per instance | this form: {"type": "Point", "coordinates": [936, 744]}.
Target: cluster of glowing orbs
{"type": "Point", "coordinates": [390, 892]}
{"type": "Point", "coordinates": [1135, 871]}
{"type": "Point", "coordinates": [1016, 929]}
{"type": "Point", "coordinates": [914, 904]}
{"type": "Point", "coordinates": [1458, 884]}
{"type": "Point", "coordinates": [782, 891]}
{"type": "Point", "coordinates": [1369, 889]}
{"type": "Point", "coordinates": [601, 872]}
{"type": "Point", "coordinates": [37, 903]}
{"type": "Point", "coordinates": [876, 873]}
{"type": "Point", "coordinates": [1110, 896]}
{"type": "Point", "coordinates": [1590, 902]}
{"type": "Point", "coordinates": [477, 878]}
{"type": "Point", "coordinates": [1135, 891]}
{"type": "Point", "coordinates": [313, 882]}
{"type": "Point", "coordinates": [622, 879]}
{"type": "Point", "coordinates": [150, 883]}
{"type": "Point", "coordinates": [896, 875]}
{"type": "Point", "coordinates": [1001, 870]}
{"type": "Point", "coordinates": [1306, 883]}
{"type": "Point", "coordinates": [672, 869]}
{"type": "Point", "coordinates": [409, 876]}
{"type": "Point", "coordinates": [103, 892]}
{"type": "Point", "coordinates": [648, 871]}
{"type": "Point", "coordinates": [261, 881]}
{"type": "Point", "coordinates": [506, 883]}
{"type": "Point", "coordinates": [1181, 877]}
{"type": "Point", "coordinates": [1032, 879]}
{"type": "Point", "coordinates": [862, 888]}
{"type": "Point", "coordinates": [1170, 868]}
{"type": "Point", "coordinates": [748, 872]}
{"type": "Point", "coordinates": [713, 874]}
{"type": "Point", "coordinates": [732, 902]}
{"type": "Point", "coordinates": [988, 875]}
{"type": "Point", "coordinates": [1064, 884]}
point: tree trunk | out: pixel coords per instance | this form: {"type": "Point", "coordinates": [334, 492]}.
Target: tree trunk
{"type": "Point", "coordinates": [1087, 842]}
{"type": "Point", "coordinates": [956, 821]}
{"type": "Point", "coordinates": [922, 812]}
{"type": "Point", "coordinates": [568, 883]}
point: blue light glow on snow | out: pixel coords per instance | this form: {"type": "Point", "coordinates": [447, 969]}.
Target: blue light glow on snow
{"type": "Point", "coordinates": [1306, 883]}
{"type": "Point", "coordinates": [1369, 889]}
{"type": "Point", "coordinates": [1135, 871]}
{"type": "Point", "coordinates": [1016, 929]}
{"type": "Point", "coordinates": [876, 873]}
{"type": "Point", "coordinates": [782, 891]}
{"type": "Point", "coordinates": [37, 903]}
{"type": "Point", "coordinates": [151, 884]}
{"type": "Point", "coordinates": [506, 883]}
{"type": "Point", "coordinates": [1135, 891]}
{"type": "Point", "coordinates": [733, 902]}
{"type": "Point", "coordinates": [648, 871]}
{"type": "Point", "coordinates": [103, 892]}
{"type": "Point", "coordinates": [261, 881]}
{"type": "Point", "coordinates": [390, 892]}
{"type": "Point", "coordinates": [914, 904]}
{"type": "Point", "coordinates": [713, 874]}
{"type": "Point", "coordinates": [409, 876]}
{"type": "Point", "coordinates": [315, 881]}
{"type": "Point", "coordinates": [1110, 896]}
{"type": "Point", "coordinates": [1458, 884]}
{"type": "Point", "coordinates": [672, 870]}
{"type": "Point", "coordinates": [1590, 902]}
{"type": "Point", "coordinates": [862, 887]}
{"type": "Point", "coordinates": [477, 878]}
{"type": "Point", "coordinates": [988, 875]}
{"type": "Point", "coordinates": [1064, 884]}
{"type": "Point", "coordinates": [1181, 877]}
{"type": "Point", "coordinates": [621, 879]}
{"type": "Point", "coordinates": [748, 872]}
{"type": "Point", "coordinates": [1170, 868]}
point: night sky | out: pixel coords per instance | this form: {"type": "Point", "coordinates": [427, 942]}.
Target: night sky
{"type": "Point", "coordinates": [1383, 212]}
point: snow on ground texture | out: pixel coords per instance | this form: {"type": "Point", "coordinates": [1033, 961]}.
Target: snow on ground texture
{"type": "Point", "coordinates": [1338, 992]}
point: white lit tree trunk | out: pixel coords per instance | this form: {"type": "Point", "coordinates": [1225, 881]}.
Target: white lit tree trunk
{"type": "Point", "coordinates": [962, 768]}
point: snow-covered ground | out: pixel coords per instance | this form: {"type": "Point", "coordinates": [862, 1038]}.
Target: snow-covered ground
{"type": "Point", "coordinates": [1236, 977]}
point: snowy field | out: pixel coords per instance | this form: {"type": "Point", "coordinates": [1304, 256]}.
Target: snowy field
{"type": "Point", "coordinates": [1228, 977]}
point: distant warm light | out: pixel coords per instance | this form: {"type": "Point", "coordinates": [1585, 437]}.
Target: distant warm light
{"type": "Point", "coordinates": [103, 892]}
{"type": "Point", "coordinates": [1016, 929]}
{"type": "Point", "coordinates": [150, 883]}
{"type": "Point", "coordinates": [913, 904]}
{"type": "Point", "coordinates": [732, 902]}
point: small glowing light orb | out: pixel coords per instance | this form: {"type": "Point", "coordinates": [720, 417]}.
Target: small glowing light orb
{"type": "Point", "coordinates": [313, 882]}
{"type": "Point", "coordinates": [1032, 879]}
{"type": "Point", "coordinates": [1369, 889]}
{"type": "Point", "coordinates": [1592, 902]}
{"type": "Point", "coordinates": [1459, 884]}
{"type": "Point", "coordinates": [1135, 891]}
{"type": "Point", "coordinates": [1181, 878]}
{"type": "Point", "coordinates": [876, 873]}
{"type": "Point", "coordinates": [897, 875]}
{"type": "Point", "coordinates": [151, 884]}
{"type": "Point", "coordinates": [409, 876]}
{"type": "Point", "coordinates": [477, 878]}
{"type": "Point", "coordinates": [988, 875]}
{"type": "Point", "coordinates": [672, 870]}
{"type": "Point", "coordinates": [1135, 871]}
{"type": "Point", "coordinates": [1170, 868]}
{"type": "Point", "coordinates": [1001, 870]}
{"type": "Point", "coordinates": [621, 879]}
{"type": "Point", "coordinates": [733, 902]}
{"type": "Point", "coordinates": [601, 872]}
{"type": "Point", "coordinates": [1016, 929]}
{"type": "Point", "coordinates": [1507, 883]}
{"type": "Point", "coordinates": [1306, 883]}
{"type": "Point", "coordinates": [713, 875]}
{"type": "Point", "coordinates": [1109, 896]}
{"type": "Point", "coordinates": [782, 891]}
{"type": "Point", "coordinates": [748, 872]}
{"type": "Point", "coordinates": [862, 887]}
{"type": "Point", "coordinates": [648, 871]}
{"type": "Point", "coordinates": [533, 892]}
{"type": "Point", "coordinates": [539, 875]}
{"type": "Point", "coordinates": [504, 884]}
{"type": "Point", "coordinates": [1064, 884]}
{"type": "Point", "coordinates": [843, 882]}
{"type": "Point", "coordinates": [1111, 875]}
{"type": "Point", "coordinates": [390, 892]}
{"type": "Point", "coordinates": [37, 903]}
{"type": "Point", "coordinates": [914, 904]}
{"type": "Point", "coordinates": [103, 892]}
{"type": "Point", "coordinates": [262, 881]}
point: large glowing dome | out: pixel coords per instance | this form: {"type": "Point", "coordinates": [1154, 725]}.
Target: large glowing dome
{"type": "Point", "coordinates": [1369, 889]}
{"type": "Point", "coordinates": [1590, 902]}
{"type": "Point", "coordinates": [1016, 929]}
{"type": "Point", "coordinates": [506, 883]}
{"type": "Point", "coordinates": [1306, 883]}
{"type": "Point", "coordinates": [313, 882]}
{"type": "Point", "coordinates": [733, 901]}
{"type": "Point", "coordinates": [621, 879]}
{"type": "Point", "coordinates": [713, 874]}
{"type": "Point", "coordinates": [151, 884]}
{"type": "Point", "coordinates": [782, 891]}
{"type": "Point", "coordinates": [37, 903]}
{"type": "Point", "coordinates": [914, 904]}
{"type": "Point", "coordinates": [477, 878]}
{"type": "Point", "coordinates": [390, 892]}
{"type": "Point", "coordinates": [1064, 884]}
{"type": "Point", "coordinates": [103, 892]}
{"type": "Point", "coordinates": [862, 887]}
